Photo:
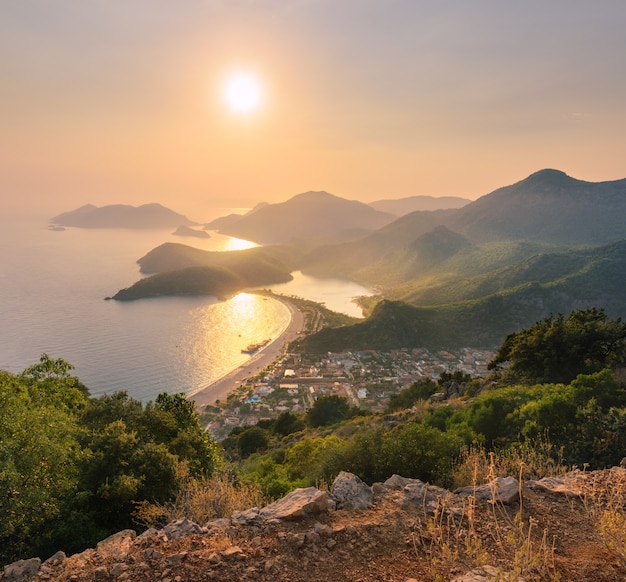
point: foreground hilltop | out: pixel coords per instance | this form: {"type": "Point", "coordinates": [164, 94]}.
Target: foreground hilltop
{"type": "Point", "coordinates": [569, 527]}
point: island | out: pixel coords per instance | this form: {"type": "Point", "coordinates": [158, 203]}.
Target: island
{"type": "Point", "coordinates": [122, 216]}
{"type": "Point", "coordinates": [184, 230]}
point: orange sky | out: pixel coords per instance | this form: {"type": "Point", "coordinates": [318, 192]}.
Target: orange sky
{"type": "Point", "coordinates": [121, 102]}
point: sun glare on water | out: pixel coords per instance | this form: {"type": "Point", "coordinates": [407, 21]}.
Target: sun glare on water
{"type": "Point", "coordinates": [242, 93]}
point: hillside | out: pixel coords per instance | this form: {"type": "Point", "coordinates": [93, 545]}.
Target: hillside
{"type": "Point", "coordinates": [217, 280]}
{"type": "Point", "coordinates": [402, 206]}
{"type": "Point", "coordinates": [401, 530]}
{"type": "Point", "coordinates": [122, 216]}
{"type": "Point", "coordinates": [483, 310]}
{"type": "Point", "coordinates": [307, 215]}
{"type": "Point", "coordinates": [548, 206]}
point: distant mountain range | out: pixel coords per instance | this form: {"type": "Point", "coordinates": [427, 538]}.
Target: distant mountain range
{"type": "Point", "coordinates": [449, 277]}
{"type": "Point", "coordinates": [402, 206]}
{"type": "Point", "coordinates": [305, 216]}
{"type": "Point", "coordinates": [122, 216]}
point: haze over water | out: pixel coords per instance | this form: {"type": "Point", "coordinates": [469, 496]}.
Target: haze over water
{"type": "Point", "coordinates": [52, 286]}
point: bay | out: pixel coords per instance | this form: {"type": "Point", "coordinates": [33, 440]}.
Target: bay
{"type": "Point", "coordinates": [52, 290]}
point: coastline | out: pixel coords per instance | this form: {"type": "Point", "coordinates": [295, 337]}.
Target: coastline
{"type": "Point", "coordinates": [220, 389]}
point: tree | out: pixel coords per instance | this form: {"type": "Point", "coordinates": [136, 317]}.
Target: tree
{"type": "Point", "coordinates": [420, 390]}
{"type": "Point", "coordinates": [38, 458]}
{"type": "Point", "coordinates": [328, 410]}
{"type": "Point", "coordinates": [251, 440]}
{"type": "Point", "coordinates": [557, 349]}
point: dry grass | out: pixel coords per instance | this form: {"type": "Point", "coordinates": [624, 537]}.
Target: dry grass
{"type": "Point", "coordinates": [528, 460]}
{"type": "Point", "coordinates": [479, 534]}
{"type": "Point", "coordinates": [202, 500]}
{"type": "Point", "coordinates": [604, 498]}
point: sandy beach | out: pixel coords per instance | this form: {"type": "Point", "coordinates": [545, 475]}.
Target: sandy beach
{"type": "Point", "coordinates": [219, 390]}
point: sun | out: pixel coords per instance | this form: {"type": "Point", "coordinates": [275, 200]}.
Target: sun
{"type": "Point", "coordinates": [242, 93]}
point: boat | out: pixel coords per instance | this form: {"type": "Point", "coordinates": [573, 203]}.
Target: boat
{"type": "Point", "coordinates": [252, 348]}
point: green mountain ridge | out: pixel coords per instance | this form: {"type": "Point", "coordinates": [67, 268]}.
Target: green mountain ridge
{"type": "Point", "coordinates": [595, 277]}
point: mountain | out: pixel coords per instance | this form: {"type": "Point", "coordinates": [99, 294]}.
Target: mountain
{"type": "Point", "coordinates": [216, 281]}
{"type": "Point", "coordinates": [347, 258]}
{"type": "Point", "coordinates": [548, 206]}
{"type": "Point", "coordinates": [182, 270]}
{"type": "Point", "coordinates": [122, 216]}
{"type": "Point", "coordinates": [305, 216]}
{"type": "Point", "coordinates": [174, 256]}
{"type": "Point", "coordinates": [402, 206]}
{"type": "Point", "coordinates": [482, 311]}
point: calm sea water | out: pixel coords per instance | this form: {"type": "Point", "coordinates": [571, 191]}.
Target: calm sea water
{"type": "Point", "coordinates": [52, 289]}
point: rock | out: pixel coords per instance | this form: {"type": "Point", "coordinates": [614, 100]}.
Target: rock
{"type": "Point", "coordinates": [399, 482]}
{"type": "Point", "coordinates": [323, 529]}
{"type": "Point", "coordinates": [181, 527]}
{"type": "Point", "coordinates": [488, 574]}
{"type": "Point", "coordinates": [57, 558]}
{"type": "Point", "coordinates": [565, 485]}
{"type": "Point", "coordinates": [298, 503]}
{"type": "Point", "coordinates": [232, 551]}
{"type": "Point", "coordinates": [175, 560]}
{"type": "Point", "coordinates": [247, 517]}
{"type": "Point", "coordinates": [350, 492]}
{"type": "Point", "coordinates": [21, 571]}
{"type": "Point", "coordinates": [117, 545]}
{"type": "Point", "coordinates": [504, 490]}
{"type": "Point", "coordinates": [423, 494]}
{"type": "Point", "coordinates": [82, 560]}
{"type": "Point", "coordinates": [437, 397]}
{"type": "Point", "coordinates": [118, 569]}
{"type": "Point", "coordinates": [150, 536]}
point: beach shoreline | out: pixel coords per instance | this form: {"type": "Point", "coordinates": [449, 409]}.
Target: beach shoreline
{"type": "Point", "coordinates": [220, 389]}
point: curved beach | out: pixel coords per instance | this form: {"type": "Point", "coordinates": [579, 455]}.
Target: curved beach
{"type": "Point", "coordinates": [220, 389]}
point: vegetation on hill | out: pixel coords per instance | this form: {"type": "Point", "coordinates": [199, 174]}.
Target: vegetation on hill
{"type": "Point", "coordinates": [75, 468]}
{"type": "Point", "coordinates": [447, 310]}
{"type": "Point", "coordinates": [562, 402]}
{"type": "Point", "coordinates": [548, 206]}
{"type": "Point", "coordinates": [72, 467]}
{"type": "Point", "coordinates": [216, 281]}
{"type": "Point", "coordinates": [175, 256]}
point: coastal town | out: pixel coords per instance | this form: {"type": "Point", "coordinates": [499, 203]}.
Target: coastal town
{"type": "Point", "coordinates": [367, 379]}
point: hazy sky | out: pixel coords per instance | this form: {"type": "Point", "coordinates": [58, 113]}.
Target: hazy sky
{"type": "Point", "coordinates": [121, 101]}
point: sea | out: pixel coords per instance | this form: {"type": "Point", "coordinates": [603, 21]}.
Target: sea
{"type": "Point", "coordinates": [53, 286]}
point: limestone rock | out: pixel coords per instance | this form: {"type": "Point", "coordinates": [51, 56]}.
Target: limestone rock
{"type": "Point", "coordinates": [488, 574]}
{"type": "Point", "coordinates": [117, 545]}
{"type": "Point", "coordinates": [247, 517]}
{"type": "Point", "coordinates": [350, 492]}
{"type": "Point", "coordinates": [298, 503]}
{"type": "Point", "coordinates": [21, 571]}
{"type": "Point", "coordinates": [564, 485]}
{"type": "Point", "coordinates": [503, 490]}
{"type": "Point", "coordinates": [180, 528]}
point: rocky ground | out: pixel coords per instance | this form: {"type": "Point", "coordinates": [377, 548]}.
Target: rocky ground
{"type": "Point", "coordinates": [569, 528]}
